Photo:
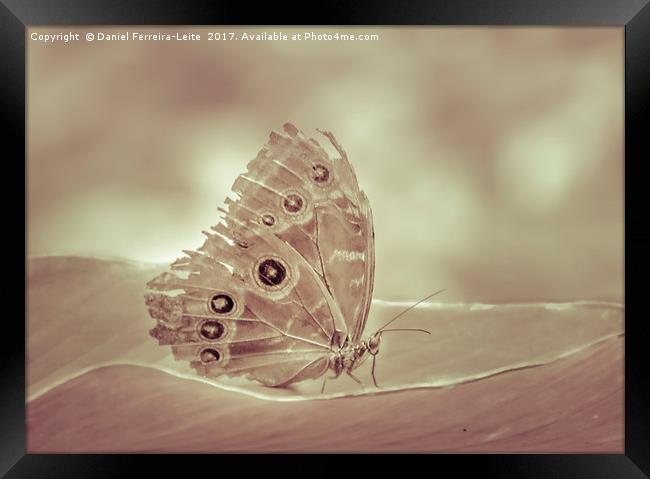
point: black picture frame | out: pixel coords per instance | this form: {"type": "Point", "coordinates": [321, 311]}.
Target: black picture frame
{"type": "Point", "coordinates": [633, 15]}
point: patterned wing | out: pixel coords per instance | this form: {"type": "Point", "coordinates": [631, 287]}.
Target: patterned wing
{"type": "Point", "coordinates": [283, 279]}
{"type": "Point", "coordinates": [245, 304]}
{"type": "Point", "coordinates": [313, 203]}
{"type": "Point", "coordinates": [369, 276]}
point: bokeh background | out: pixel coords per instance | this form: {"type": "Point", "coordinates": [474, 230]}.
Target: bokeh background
{"type": "Point", "coordinates": [492, 157]}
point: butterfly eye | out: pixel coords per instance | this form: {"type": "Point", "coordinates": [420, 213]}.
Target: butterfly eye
{"type": "Point", "coordinates": [293, 203]}
{"type": "Point", "coordinates": [210, 355]}
{"type": "Point", "coordinates": [212, 329]}
{"type": "Point", "coordinates": [267, 219]}
{"type": "Point", "coordinates": [374, 343]}
{"type": "Point", "coordinates": [221, 304]}
{"type": "Point", "coordinates": [320, 174]}
{"type": "Point", "coordinates": [271, 272]}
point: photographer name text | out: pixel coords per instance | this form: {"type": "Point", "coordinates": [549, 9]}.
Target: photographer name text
{"type": "Point", "coordinates": [215, 36]}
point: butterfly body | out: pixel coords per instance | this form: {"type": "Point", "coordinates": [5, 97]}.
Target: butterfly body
{"type": "Point", "coordinates": [280, 291]}
{"type": "Point", "coordinates": [348, 358]}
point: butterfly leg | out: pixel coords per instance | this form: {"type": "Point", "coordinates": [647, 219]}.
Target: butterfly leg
{"type": "Point", "coordinates": [322, 389]}
{"type": "Point", "coordinates": [356, 379]}
{"type": "Point", "coordinates": [374, 379]}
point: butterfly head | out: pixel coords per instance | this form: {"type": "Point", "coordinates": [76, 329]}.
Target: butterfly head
{"type": "Point", "coordinates": [374, 342]}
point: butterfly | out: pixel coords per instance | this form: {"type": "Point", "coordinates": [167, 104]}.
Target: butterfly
{"type": "Point", "coordinates": [281, 289]}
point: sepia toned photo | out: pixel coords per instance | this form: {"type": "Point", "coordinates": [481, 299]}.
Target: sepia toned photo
{"type": "Point", "coordinates": [307, 239]}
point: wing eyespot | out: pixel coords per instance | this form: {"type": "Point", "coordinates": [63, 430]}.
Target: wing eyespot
{"type": "Point", "coordinates": [271, 273]}
{"type": "Point", "coordinates": [293, 203]}
{"type": "Point", "coordinates": [210, 355]}
{"type": "Point", "coordinates": [267, 219]}
{"type": "Point", "coordinates": [212, 330]}
{"type": "Point", "coordinates": [320, 175]}
{"type": "Point", "coordinates": [221, 303]}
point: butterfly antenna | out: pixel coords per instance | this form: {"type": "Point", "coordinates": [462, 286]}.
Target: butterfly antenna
{"type": "Point", "coordinates": [410, 308]}
{"type": "Point", "coordinates": [407, 329]}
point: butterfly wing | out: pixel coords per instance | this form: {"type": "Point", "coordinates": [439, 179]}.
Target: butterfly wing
{"type": "Point", "coordinates": [329, 221]}
{"type": "Point", "coordinates": [252, 308]}
{"type": "Point", "coordinates": [299, 220]}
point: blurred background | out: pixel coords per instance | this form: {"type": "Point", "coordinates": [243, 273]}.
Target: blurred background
{"type": "Point", "coordinates": [492, 157]}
